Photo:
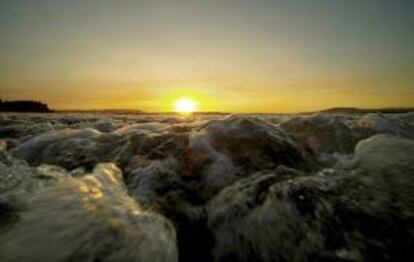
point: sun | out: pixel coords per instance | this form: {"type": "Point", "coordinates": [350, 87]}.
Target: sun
{"type": "Point", "coordinates": [185, 106]}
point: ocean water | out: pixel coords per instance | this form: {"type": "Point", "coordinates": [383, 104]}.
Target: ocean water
{"type": "Point", "coordinates": [125, 187]}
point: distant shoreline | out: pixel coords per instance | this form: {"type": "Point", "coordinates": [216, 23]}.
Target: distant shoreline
{"type": "Point", "coordinates": [24, 106]}
{"type": "Point", "coordinates": [333, 110]}
{"type": "Point", "coordinates": [28, 106]}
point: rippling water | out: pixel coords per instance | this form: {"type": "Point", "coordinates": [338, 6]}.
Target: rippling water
{"type": "Point", "coordinates": [328, 187]}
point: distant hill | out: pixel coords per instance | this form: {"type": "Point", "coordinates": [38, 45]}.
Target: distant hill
{"type": "Point", "coordinates": [135, 111]}
{"type": "Point", "coordinates": [103, 111]}
{"type": "Point", "coordinates": [366, 110]}
{"type": "Point", "coordinates": [24, 106]}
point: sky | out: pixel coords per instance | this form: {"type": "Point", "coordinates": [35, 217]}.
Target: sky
{"type": "Point", "coordinates": [228, 55]}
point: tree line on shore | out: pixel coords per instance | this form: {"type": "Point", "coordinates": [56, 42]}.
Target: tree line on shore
{"type": "Point", "coordinates": [24, 106]}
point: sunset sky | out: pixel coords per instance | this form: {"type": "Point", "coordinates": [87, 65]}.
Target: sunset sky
{"type": "Point", "coordinates": [228, 55]}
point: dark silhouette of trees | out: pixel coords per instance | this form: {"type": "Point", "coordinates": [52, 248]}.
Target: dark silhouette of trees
{"type": "Point", "coordinates": [23, 106]}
